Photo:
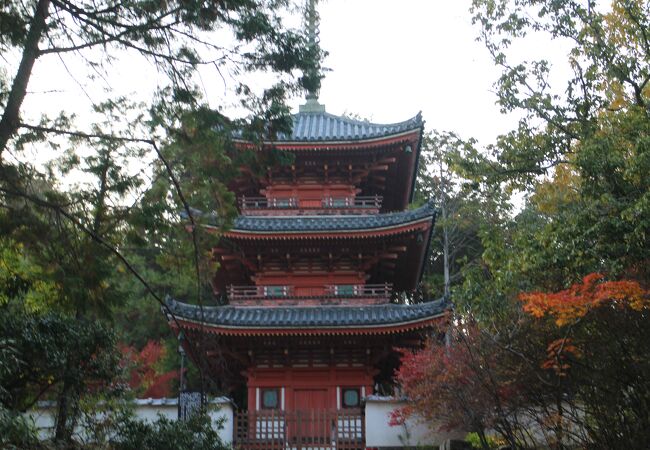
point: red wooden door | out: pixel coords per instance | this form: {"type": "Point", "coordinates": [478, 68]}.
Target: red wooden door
{"type": "Point", "coordinates": [312, 421]}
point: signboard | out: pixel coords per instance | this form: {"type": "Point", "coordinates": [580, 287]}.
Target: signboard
{"type": "Point", "coordinates": [189, 404]}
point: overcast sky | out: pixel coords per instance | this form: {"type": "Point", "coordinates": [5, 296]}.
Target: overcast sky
{"type": "Point", "coordinates": [388, 61]}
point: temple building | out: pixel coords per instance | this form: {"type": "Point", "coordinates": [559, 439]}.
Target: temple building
{"type": "Point", "coordinates": [316, 270]}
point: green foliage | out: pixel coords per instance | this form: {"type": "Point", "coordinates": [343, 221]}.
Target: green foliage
{"type": "Point", "coordinates": [16, 431]}
{"type": "Point", "coordinates": [22, 280]}
{"type": "Point", "coordinates": [198, 433]}
{"type": "Point", "coordinates": [52, 350]}
{"type": "Point", "coordinates": [475, 441]}
{"type": "Point", "coordinates": [576, 167]}
{"type": "Point", "coordinates": [177, 38]}
{"type": "Point", "coordinates": [575, 161]}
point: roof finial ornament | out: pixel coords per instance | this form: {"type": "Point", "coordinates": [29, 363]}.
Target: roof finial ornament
{"type": "Point", "coordinates": [312, 77]}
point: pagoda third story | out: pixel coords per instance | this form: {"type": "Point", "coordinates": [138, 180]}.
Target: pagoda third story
{"type": "Point", "coordinates": [313, 269]}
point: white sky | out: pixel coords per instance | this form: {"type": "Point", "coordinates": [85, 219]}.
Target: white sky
{"type": "Point", "coordinates": [388, 61]}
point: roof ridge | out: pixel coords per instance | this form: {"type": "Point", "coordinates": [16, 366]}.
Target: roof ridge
{"type": "Point", "coordinates": [414, 119]}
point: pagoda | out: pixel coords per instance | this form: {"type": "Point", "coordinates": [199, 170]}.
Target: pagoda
{"type": "Point", "coordinates": [315, 270]}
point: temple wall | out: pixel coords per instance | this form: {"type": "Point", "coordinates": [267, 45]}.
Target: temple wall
{"type": "Point", "coordinates": [379, 434]}
{"type": "Point", "coordinates": [144, 409]}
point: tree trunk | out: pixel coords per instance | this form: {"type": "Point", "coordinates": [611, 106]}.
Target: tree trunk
{"type": "Point", "coordinates": [67, 403]}
{"type": "Point", "coordinates": [445, 231]}
{"type": "Point", "coordinates": [445, 247]}
{"type": "Point", "coordinates": [66, 406]}
{"type": "Point", "coordinates": [11, 116]}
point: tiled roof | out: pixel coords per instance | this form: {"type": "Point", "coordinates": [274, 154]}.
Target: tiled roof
{"type": "Point", "coordinates": [325, 127]}
{"type": "Point", "coordinates": [331, 223]}
{"type": "Point", "coordinates": [308, 316]}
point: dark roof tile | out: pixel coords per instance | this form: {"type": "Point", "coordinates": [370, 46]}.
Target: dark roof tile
{"type": "Point", "coordinates": [325, 127]}
{"type": "Point", "coordinates": [331, 223]}
{"type": "Point", "coordinates": [308, 316]}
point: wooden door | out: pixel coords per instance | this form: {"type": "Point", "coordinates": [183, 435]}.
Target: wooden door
{"type": "Point", "coordinates": [312, 423]}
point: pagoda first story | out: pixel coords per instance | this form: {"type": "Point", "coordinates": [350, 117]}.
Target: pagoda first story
{"type": "Point", "coordinates": [313, 271]}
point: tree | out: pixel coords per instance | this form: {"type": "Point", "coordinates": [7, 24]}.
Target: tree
{"type": "Point", "coordinates": [592, 131]}
{"type": "Point", "coordinates": [545, 375]}
{"type": "Point", "coordinates": [465, 212]}
{"type": "Point", "coordinates": [146, 376]}
{"type": "Point", "coordinates": [576, 156]}
{"type": "Point", "coordinates": [54, 352]}
{"type": "Point", "coordinates": [173, 36]}
{"type": "Point", "coordinates": [178, 128]}
{"type": "Point", "coordinates": [600, 349]}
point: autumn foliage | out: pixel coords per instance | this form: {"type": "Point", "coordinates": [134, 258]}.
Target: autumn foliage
{"type": "Point", "coordinates": [571, 304]}
{"type": "Point", "coordinates": [542, 371]}
{"type": "Point", "coordinates": [437, 380]}
{"type": "Point", "coordinates": [146, 376]}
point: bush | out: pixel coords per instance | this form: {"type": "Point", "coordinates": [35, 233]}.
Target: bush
{"type": "Point", "coordinates": [16, 431]}
{"type": "Point", "coordinates": [197, 433]}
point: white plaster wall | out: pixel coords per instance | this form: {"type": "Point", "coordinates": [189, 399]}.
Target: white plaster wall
{"type": "Point", "coordinates": [150, 412]}
{"type": "Point", "coordinates": [225, 411]}
{"type": "Point", "coordinates": [216, 411]}
{"type": "Point", "coordinates": [43, 420]}
{"type": "Point", "coordinates": [414, 432]}
{"type": "Point", "coordinates": [148, 409]}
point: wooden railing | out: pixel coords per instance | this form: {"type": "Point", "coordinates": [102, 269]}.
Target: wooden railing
{"type": "Point", "coordinates": [299, 430]}
{"type": "Point", "coordinates": [373, 202]}
{"type": "Point", "coordinates": [328, 291]}
{"type": "Point", "coordinates": [264, 203]}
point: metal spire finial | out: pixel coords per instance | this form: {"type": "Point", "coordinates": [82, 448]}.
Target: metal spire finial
{"type": "Point", "coordinates": [312, 21]}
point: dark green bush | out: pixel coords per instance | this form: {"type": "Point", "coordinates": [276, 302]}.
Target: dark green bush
{"type": "Point", "coordinates": [16, 431]}
{"type": "Point", "coordinates": [197, 433]}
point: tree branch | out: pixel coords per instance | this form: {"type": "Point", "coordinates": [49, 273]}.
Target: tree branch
{"type": "Point", "coordinates": [11, 114]}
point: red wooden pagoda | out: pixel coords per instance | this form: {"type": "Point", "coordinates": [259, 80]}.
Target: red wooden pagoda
{"type": "Point", "coordinates": [314, 269]}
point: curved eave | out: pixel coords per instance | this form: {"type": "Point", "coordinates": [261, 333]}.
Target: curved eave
{"type": "Point", "coordinates": [347, 330]}
{"type": "Point", "coordinates": [329, 226]}
{"type": "Point", "coordinates": [346, 144]}
{"type": "Point", "coordinates": [361, 319]}
{"type": "Point", "coordinates": [416, 225]}
{"type": "Point", "coordinates": [317, 128]}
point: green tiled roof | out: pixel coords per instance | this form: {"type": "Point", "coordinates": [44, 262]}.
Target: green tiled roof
{"type": "Point", "coordinates": [288, 224]}
{"type": "Point", "coordinates": [308, 316]}
{"type": "Point", "coordinates": [326, 127]}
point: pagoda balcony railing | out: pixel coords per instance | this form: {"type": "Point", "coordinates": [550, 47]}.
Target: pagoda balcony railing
{"type": "Point", "coordinates": [300, 430]}
{"type": "Point", "coordinates": [375, 291]}
{"type": "Point", "coordinates": [372, 201]}
{"type": "Point", "coordinates": [265, 203]}
{"type": "Point", "coordinates": [357, 204]}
